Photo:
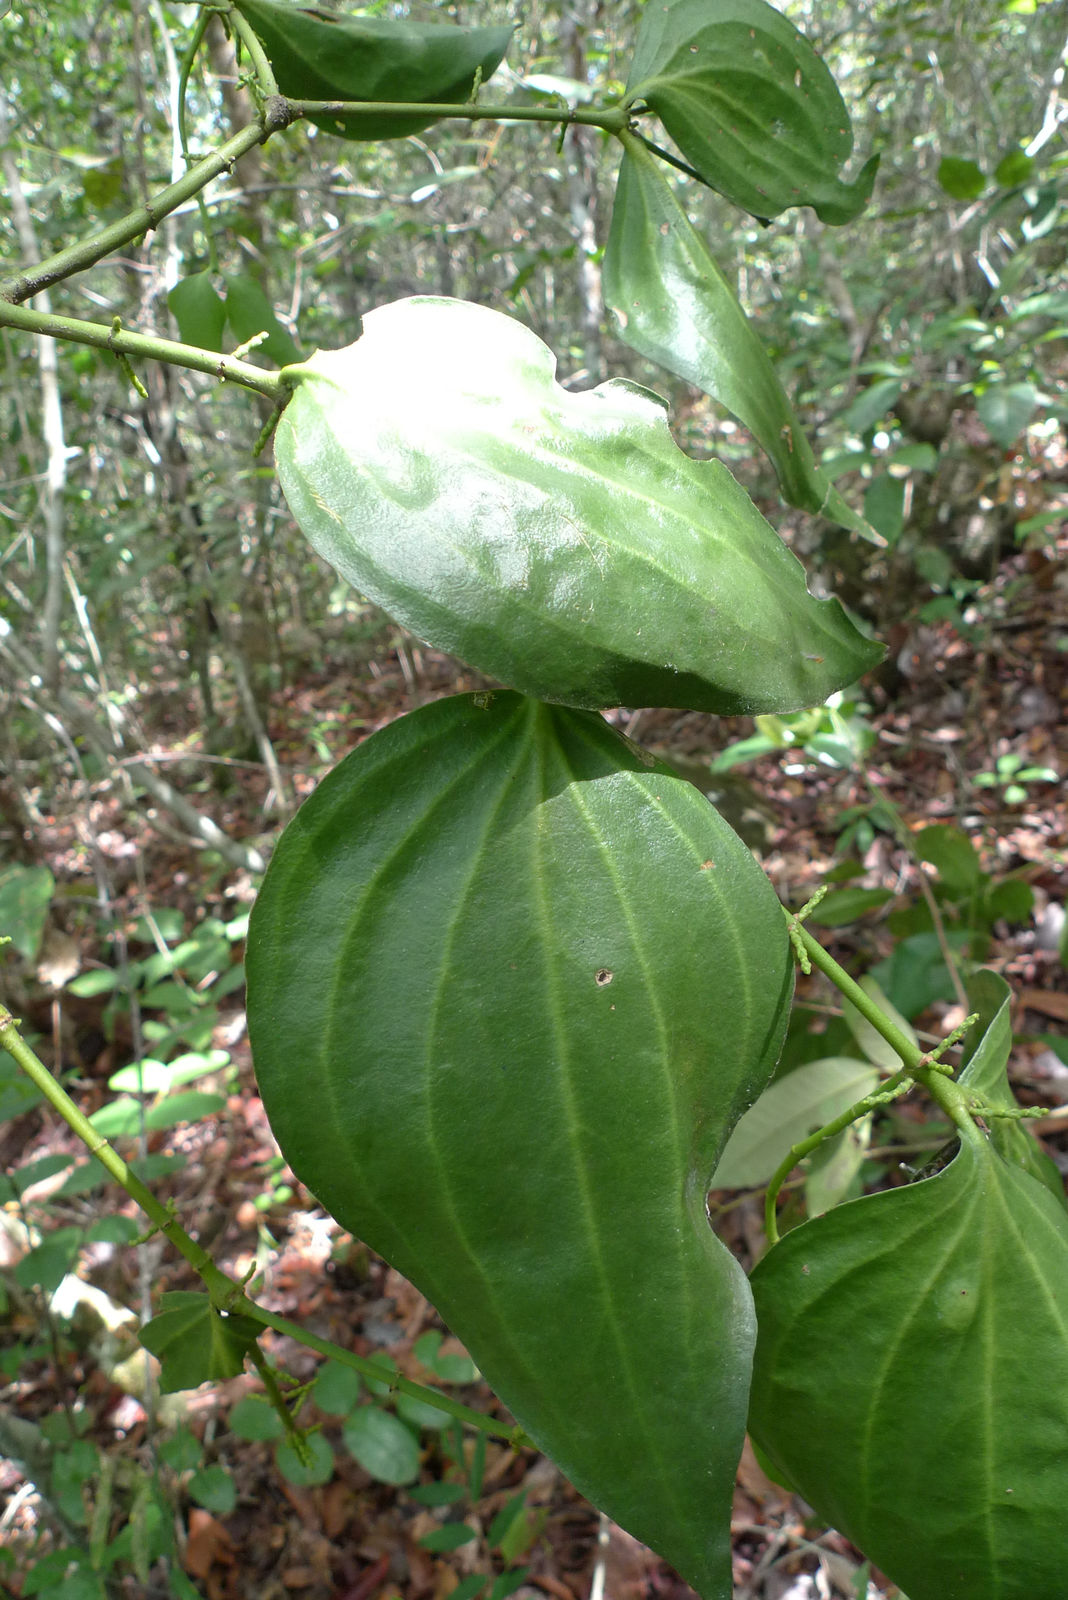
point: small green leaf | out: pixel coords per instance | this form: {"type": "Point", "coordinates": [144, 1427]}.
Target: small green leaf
{"type": "Point", "coordinates": [884, 505]}
{"type": "Point", "coordinates": [846, 905]}
{"type": "Point", "coordinates": [438, 1494]}
{"type": "Point", "coordinates": [952, 855]}
{"type": "Point", "coordinates": [450, 1536]}
{"type": "Point", "coordinates": [199, 311]}
{"type": "Point", "coordinates": [47, 1264]}
{"type": "Point", "coordinates": [795, 1106]}
{"type": "Point", "coordinates": [316, 1470]}
{"type": "Point", "coordinates": [336, 1388]}
{"type": "Point", "coordinates": [192, 1106]}
{"type": "Point", "coordinates": [320, 55]}
{"type": "Point", "coordinates": [911, 1377]}
{"type": "Point", "coordinates": [112, 1230]}
{"type": "Point", "coordinates": [214, 1489]}
{"type": "Point", "coordinates": [382, 1444]}
{"type": "Point", "coordinates": [871, 405]}
{"type": "Point", "coordinates": [961, 179]}
{"type": "Point", "coordinates": [25, 895]}
{"type": "Point", "coordinates": [984, 1070]}
{"type": "Point", "coordinates": [559, 542]}
{"type": "Point", "coordinates": [257, 1419]}
{"type": "Point", "coordinates": [673, 305]}
{"type": "Point", "coordinates": [195, 1343]}
{"type": "Point", "coordinates": [249, 312]}
{"type": "Point", "coordinates": [750, 105]}
{"type": "Point", "coordinates": [1014, 168]}
{"type": "Point", "coordinates": [1005, 409]}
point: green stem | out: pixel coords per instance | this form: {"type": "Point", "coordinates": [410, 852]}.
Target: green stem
{"type": "Point", "coordinates": [148, 345]}
{"type": "Point", "coordinates": [225, 1293]}
{"type": "Point", "coordinates": [612, 119]}
{"type": "Point", "coordinates": [918, 1066]}
{"type": "Point", "coordinates": [265, 78]}
{"type": "Point", "coordinates": [76, 257]}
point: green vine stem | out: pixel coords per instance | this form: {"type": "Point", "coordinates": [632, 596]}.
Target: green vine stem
{"type": "Point", "coordinates": [149, 345]}
{"type": "Point", "coordinates": [225, 1294]}
{"type": "Point", "coordinates": [612, 119]}
{"type": "Point", "coordinates": [919, 1066]}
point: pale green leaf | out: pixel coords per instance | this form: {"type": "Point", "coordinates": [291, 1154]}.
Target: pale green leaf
{"type": "Point", "coordinates": [560, 542]}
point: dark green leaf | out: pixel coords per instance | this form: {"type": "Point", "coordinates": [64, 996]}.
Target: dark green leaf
{"type": "Point", "coordinates": [560, 542]}
{"type": "Point", "coordinates": [182, 1451]}
{"type": "Point", "coordinates": [1005, 409]}
{"type": "Point", "coordinates": [884, 505]}
{"type": "Point", "coordinates": [1013, 168]}
{"type": "Point", "coordinates": [749, 104]}
{"type": "Point", "coordinates": [320, 55]}
{"type": "Point", "coordinates": [249, 312]}
{"type": "Point", "coordinates": [438, 1494]}
{"type": "Point", "coordinates": [987, 1048]}
{"type": "Point", "coordinates": [952, 855]}
{"type": "Point", "coordinates": [673, 304]}
{"type": "Point", "coordinates": [1012, 899]}
{"type": "Point", "coordinates": [451, 1536]}
{"type": "Point", "coordinates": [198, 310]}
{"type": "Point", "coordinates": [961, 179]}
{"type": "Point", "coordinates": [382, 1445]}
{"type": "Point", "coordinates": [911, 1377]}
{"type": "Point", "coordinates": [496, 941]}
{"type": "Point", "coordinates": [25, 895]}
{"type": "Point", "coordinates": [196, 1343]}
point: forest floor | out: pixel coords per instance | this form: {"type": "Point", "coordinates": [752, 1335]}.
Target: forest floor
{"type": "Point", "coordinates": [955, 697]}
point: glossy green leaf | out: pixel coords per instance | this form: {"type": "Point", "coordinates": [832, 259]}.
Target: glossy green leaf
{"type": "Point", "coordinates": [984, 1070]}
{"type": "Point", "coordinates": [560, 542]}
{"type": "Point", "coordinates": [911, 1378]}
{"type": "Point", "coordinates": [195, 1343]}
{"type": "Point", "coordinates": [673, 305]}
{"type": "Point", "coordinates": [750, 105]}
{"type": "Point", "coordinates": [792, 1108]}
{"type": "Point", "coordinates": [249, 312]}
{"type": "Point", "coordinates": [1005, 409]}
{"type": "Point", "coordinates": [199, 310]}
{"type": "Point", "coordinates": [321, 55]}
{"type": "Point", "coordinates": [511, 982]}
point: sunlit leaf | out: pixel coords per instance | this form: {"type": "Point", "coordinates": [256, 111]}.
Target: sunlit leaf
{"type": "Point", "coordinates": [672, 303]}
{"type": "Point", "coordinates": [199, 310]}
{"type": "Point", "coordinates": [750, 105]}
{"type": "Point", "coordinates": [560, 542]}
{"type": "Point", "coordinates": [496, 942]}
{"type": "Point", "coordinates": [961, 179]}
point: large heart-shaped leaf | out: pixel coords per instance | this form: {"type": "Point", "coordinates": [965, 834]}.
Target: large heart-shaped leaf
{"type": "Point", "coordinates": [749, 104]}
{"type": "Point", "coordinates": [674, 305]}
{"type": "Point", "coordinates": [911, 1377]}
{"type": "Point", "coordinates": [511, 982]}
{"type": "Point", "coordinates": [320, 55]}
{"type": "Point", "coordinates": [560, 542]}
